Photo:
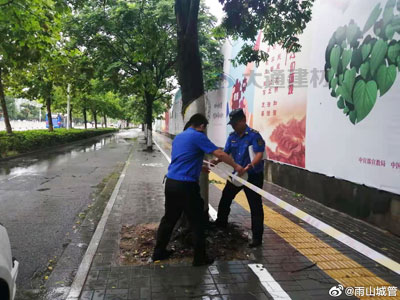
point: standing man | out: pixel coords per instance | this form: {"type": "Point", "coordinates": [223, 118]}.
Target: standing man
{"type": "Point", "coordinates": [238, 146]}
{"type": "Point", "coordinates": [182, 190]}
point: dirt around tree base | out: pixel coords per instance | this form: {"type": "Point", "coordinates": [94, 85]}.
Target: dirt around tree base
{"type": "Point", "coordinates": [137, 244]}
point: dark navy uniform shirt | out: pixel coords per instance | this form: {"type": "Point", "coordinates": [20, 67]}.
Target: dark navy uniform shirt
{"type": "Point", "coordinates": [187, 156]}
{"type": "Point", "coordinates": [239, 148]}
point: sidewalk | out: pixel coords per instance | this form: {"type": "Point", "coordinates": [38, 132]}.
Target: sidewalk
{"type": "Point", "coordinates": [296, 260]}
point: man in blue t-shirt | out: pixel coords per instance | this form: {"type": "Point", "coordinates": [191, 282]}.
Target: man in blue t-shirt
{"type": "Point", "coordinates": [237, 145]}
{"type": "Point", "coordinates": [182, 190]}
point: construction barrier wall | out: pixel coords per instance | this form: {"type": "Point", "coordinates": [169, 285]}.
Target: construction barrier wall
{"type": "Point", "coordinates": [330, 114]}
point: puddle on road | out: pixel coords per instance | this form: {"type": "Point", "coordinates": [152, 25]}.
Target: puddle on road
{"type": "Point", "coordinates": [40, 163]}
{"type": "Point", "coordinates": [157, 165]}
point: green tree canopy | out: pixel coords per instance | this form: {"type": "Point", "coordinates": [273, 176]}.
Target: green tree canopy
{"type": "Point", "coordinates": [280, 20]}
{"type": "Point", "coordinates": [27, 28]}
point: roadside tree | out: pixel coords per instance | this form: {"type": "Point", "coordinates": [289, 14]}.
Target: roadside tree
{"type": "Point", "coordinates": [27, 28]}
{"type": "Point", "coordinates": [132, 43]}
{"type": "Point", "coordinates": [281, 22]}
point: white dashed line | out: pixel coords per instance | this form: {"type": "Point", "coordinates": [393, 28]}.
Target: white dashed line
{"type": "Point", "coordinates": [268, 282]}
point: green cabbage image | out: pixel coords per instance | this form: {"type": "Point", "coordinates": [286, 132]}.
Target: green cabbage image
{"type": "Point", "coordinates": [361, 63]}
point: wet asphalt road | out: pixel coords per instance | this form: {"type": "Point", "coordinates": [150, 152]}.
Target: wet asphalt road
{"type": "Point", "coordinates": [41, 196]}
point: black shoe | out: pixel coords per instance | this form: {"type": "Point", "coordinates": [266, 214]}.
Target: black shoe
{"type": "Point", "coordinates": [202, 262]}
{"type": "Point", "coordinates": [255, 243]}
{"type": "Point", "coordinates": [218, 224]}
{"type": "Point", "coordinates": [161, 255]}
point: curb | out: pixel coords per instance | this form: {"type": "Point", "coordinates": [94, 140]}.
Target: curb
{"type": "Point", "coordinates": [80, 277]}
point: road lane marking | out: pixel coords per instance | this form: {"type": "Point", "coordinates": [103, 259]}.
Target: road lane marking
{"type": "Point", "coordinates": [212, 212]}
{"type": "Point", "coordinates": [83, 270]}
{"type": "Point", "coordinates": [162, 151]}
{"type": "Point", "coordinates": [268, 282]}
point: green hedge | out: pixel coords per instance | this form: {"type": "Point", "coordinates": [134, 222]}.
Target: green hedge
{"type": "Point", "coordinates": [27, 141]}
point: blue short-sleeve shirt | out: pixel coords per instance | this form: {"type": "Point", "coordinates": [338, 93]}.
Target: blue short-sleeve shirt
{"type": "Point", "coordinates": [187, 156]}
{"type": "Point", "coordinates": [239, 148]}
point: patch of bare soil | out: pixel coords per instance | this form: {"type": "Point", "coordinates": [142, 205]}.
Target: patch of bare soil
{"type": "Point", "coordinates": [137, 244]}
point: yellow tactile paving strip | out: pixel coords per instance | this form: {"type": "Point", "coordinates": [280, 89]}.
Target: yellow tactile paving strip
{"type": "Point", "coordinates": [335, 264]}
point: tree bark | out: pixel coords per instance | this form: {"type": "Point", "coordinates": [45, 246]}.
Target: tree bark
{"type": "Point", "coordinates": [48, 107]}
{"type": "Point", "coordinates": [70, 117]}
{"type": "Point", "coordinates": [190, 72]}
{"type": "Point", "coordinates": [85, 117]}
{"type": "Point", "coordinates": [149, 120]}
{"type": "Point", "coordinates": [105, 121]}
{"type": "Point", "coordinates": [4, 106]}
{"type": "Point", "coordinates": [95, 118]}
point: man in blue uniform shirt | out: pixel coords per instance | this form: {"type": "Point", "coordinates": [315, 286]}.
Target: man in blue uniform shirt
{"type": "Point", "coordinates": [182, 190]}
{"type": "Point", "coordinates": [238, 146]}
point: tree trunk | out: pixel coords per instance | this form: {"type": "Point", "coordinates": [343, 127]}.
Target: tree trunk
{"type": "Point", "coordinates": [70, 117]}
{"type": "Point", "coordinates": [4, 106]}
{"type": "Point", "coordinates": [85, 117]}
{"type": "Point", "coordinates": [127, 123]}
{"type": "Point", "coordinates": [142, 127]}
{"type": "Point", "coordinates": [190, 73]}
{"type": "Point", "coordinates": [149, 120]}
{"type": "Point", "coordinates": [95, 118]}
{"type": "Point", "coordinates": [48, 107]}
{"type": "Point", "coordinates": [105, 121]}
{"type": "Point", "coordinates": [198, 106]}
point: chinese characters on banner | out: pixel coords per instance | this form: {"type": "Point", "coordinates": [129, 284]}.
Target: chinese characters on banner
{"type": "Point", "coordinates": [281, 102]}
{"type": "Point", "coordinates": [274, 79]}
{"type": "Point", "coordinates": [378, 163]}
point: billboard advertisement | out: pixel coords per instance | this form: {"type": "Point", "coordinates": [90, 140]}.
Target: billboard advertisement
{"type": "Point", "coordinates": [332, 108]}
{"type": "Point", "coordinates": [353, 115]}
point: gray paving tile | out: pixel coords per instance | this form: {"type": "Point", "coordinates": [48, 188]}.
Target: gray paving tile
{"type": "Point", "coordinates": [228, 278]}
{"type": "Point", "coordinates": [145, 292]}
{"type": "Point", "coordinates": [239, 288]}
{"type": "Point", "coordinates": [116, 291]}
{"type": "Point", "coordinates": [201, 290]}
{"type": "Point", "coordinates": [248, 296]}
{"type": "Point", "coordinates": [86, 295]}
{"type": "Point", "coordinates": [116, 297]}
{"type": "Point", "coordinates": [99, 295]}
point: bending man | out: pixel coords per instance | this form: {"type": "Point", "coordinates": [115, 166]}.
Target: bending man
{"type": "Point", "coordinates": [182, 190]}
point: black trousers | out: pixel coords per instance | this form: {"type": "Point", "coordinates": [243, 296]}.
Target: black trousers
{"type": "Point", "coordinates": [254, 199]}
{"type": "Point", "coordinates": [182, 196]}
